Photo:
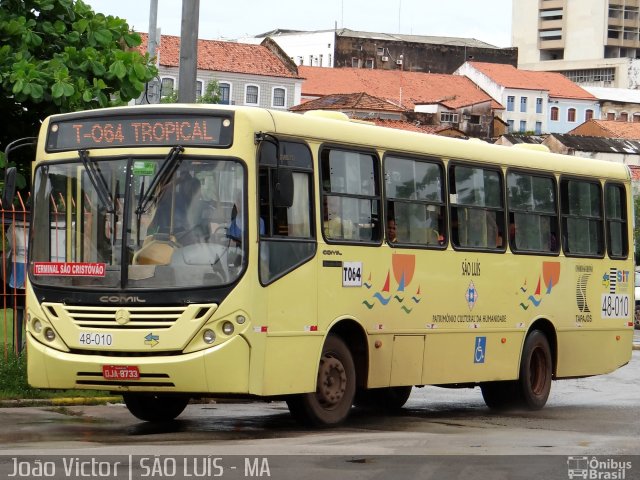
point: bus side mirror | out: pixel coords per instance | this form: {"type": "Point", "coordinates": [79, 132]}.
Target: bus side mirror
{"type": "Point", "coordinates": [283, 189]}
{"type": "Point", "coordinates": [9, 190]}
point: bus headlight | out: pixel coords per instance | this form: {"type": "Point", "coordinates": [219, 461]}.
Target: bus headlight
{"type": "Point", "coordinates": [209, 336]}
{"type": "Point", "coordinates": [49, 334]}
{"type": "Point", "coordinates": [227, 328]}
{"type": "Point", "coordinates": [37, 326]}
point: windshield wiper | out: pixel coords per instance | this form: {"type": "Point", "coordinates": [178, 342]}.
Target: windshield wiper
{"type": "Point", "coordinates": [98, 181]}
{"type": "Point", "coordinates": [160, 179]}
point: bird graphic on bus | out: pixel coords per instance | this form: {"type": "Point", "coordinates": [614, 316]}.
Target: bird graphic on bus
{"type": "Point", "coordinates": [549, 278]}
{"type": "Point", "coordinates": [403, 267]}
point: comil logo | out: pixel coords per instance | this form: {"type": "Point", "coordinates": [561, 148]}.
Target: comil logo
{"type": "Point", "coordinates": [596, 468]}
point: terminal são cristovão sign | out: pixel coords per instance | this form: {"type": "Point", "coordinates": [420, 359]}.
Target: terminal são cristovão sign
{"type": "Point", "coordinates": [139, 131]}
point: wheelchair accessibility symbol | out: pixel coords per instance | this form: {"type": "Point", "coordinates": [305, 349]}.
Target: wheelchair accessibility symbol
{"type": "Point", "coordinates": [480, 349]}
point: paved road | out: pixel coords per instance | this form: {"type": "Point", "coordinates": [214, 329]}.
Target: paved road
{"type": "Point", "coordinates": [597, 415]}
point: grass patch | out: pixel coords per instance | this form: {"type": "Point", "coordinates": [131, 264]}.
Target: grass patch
{"type": "Point", "coordinates": [14, 386]}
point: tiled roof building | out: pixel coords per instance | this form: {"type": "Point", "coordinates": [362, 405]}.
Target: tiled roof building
{"type": "Point", "coordinates": [609, 128]}
{"type": "Point", "coordinates": [259, 75]}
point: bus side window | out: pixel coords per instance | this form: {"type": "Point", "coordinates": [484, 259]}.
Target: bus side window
{"type": "Point", "coordinates": [477, 209]}
{"type": "Point", "coordinates": [351, 201]}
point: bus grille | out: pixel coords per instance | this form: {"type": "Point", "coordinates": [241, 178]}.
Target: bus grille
{"type": "Point", "coordinates": [129, 318]}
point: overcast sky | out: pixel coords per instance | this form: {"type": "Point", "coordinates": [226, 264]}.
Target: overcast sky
{"type": "Point", "coordinates": [489, 21]}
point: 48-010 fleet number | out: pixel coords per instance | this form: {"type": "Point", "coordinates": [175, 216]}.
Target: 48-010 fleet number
{"type": "Point", "coordinates": [614, 306]}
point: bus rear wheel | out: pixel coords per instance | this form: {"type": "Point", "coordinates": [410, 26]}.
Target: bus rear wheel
{"type": "Point", "coordinates": [532, 388]}
{"type": "Point", "coordinates": [331, 403]}
{"type": "Point", "coordinates": [384, 399]}
{"type": "Point", "coordinates": [536, 370]}
{"type": "Point", "coordinates": [153, 407]}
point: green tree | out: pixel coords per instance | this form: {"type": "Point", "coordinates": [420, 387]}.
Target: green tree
{"type": "Point", "coordinates": [60, 56]}
{"type": "Point", "coordinates": [211, 94]}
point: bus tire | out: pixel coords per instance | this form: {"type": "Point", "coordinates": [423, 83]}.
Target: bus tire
{"type": "Point", "coordinates": [536, 371]}
{"type": "Point", "coordinates": [500, 395]}
{"type": "Point", "coordinates": [154, 407]}
{"type": "Point", "coordinates": [331, 403]}
{"type": "Point", "coordinates": [384, 399]}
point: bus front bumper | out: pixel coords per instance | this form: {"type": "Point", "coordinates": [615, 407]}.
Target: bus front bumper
{"type": "Point", "coordinates": [220, 369]}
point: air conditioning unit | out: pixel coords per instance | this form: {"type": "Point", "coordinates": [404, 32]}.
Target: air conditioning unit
{"type": "Point", "coordinates": [398, 62]}
{"type": "Point", "coordinates": [385, 59]}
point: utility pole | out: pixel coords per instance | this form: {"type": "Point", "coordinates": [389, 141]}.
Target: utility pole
{"type": "Point", "coordinates": [152, 90]}
{"type": "Point", "coordinates": [188, 51]}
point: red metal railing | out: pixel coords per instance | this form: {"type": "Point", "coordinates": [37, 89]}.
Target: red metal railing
{"type": "Point", "coordinates": [12, 290]}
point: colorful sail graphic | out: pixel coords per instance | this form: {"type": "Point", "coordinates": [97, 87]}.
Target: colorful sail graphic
{"type": "Point", "coordinates": [551, 274]}
{"type": "Point", "coordinates": [403, 269]}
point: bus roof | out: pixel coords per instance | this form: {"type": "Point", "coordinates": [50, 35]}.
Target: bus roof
{"type": "Point", "coordinates": [327, 127]}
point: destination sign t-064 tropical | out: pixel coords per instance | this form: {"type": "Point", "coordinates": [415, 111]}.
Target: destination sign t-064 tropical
{"type": "Point", "coordinates": [140, 131]}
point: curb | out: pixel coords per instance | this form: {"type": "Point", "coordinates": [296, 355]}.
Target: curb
{"type": "Point", "coordinates": [59, 402]}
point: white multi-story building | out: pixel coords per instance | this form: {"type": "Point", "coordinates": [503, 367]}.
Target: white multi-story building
{"type": "Point", "coordinates": [538, 102]}
{"type": "Point", "coordinates": [592, 42]}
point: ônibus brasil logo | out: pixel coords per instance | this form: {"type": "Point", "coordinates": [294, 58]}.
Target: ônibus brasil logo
{"type": "Point", "coordinates": [595, 468]}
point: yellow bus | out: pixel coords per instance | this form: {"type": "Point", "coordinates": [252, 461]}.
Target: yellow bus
{"type": "Point", "coordinates": [182, 251]}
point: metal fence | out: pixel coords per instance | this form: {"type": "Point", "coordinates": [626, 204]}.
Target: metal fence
{"type": "Point", "coordinates": [14, 241]}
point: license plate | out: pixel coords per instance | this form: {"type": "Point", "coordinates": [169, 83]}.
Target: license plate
{"type": "Point", "coordinates": [120, 372]}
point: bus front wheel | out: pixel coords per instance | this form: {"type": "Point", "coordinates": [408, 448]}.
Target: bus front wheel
{"type": "Point", "coordinates": [152, 407]}
{"type": "Point", "coordinates": [335, 388]}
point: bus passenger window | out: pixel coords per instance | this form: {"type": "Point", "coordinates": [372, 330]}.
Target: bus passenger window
{"type": "Point", "coordinates": [350, 196]}
{"type": "Point", "coordinates": [582, 219]}
{"type": "Point", "coordinates": [477, 210]}
{"type": "Point", "coordinates": [415, 201]}
{"type": "Point", "coordinates": [533, 217]}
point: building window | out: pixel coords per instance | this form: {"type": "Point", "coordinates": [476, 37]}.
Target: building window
{"type": "Point", "coordinates": [603, 77]}
{"type": "Point", "coordinates": [369, 63]}
{"type": "Point", "coordinates": [167, 87]}
{"type": "Point", "coordinates": [448, 117]}
{"type": "Point", "coordinates": [588, 115]}
{"type": "Point", "coordinates": [611, 115]}
{"type": "Point", "coordinates": [538, 105]}
{"type": "Point", "coordinates": [355, 63]}
{"type": "Point", "coordinates": [198, 89]}
{"type": "Point", "coordinates": [380, 51]}
{"type": "Point", "coordinates": [571, 115]}
{"type": "Point", "coordinates": [624, 117]}
{"type": "Point", "coordinates": [251, 95]}
{"type": "Point", "coordinates": [279, 96]}
{"type": "Point", "coordinates": [523, 104]}
{"type": "Point", "coordinates": [636, 117]}
{"type": "Point", "coordinates": [511, 125]}
{"type": "Point", "coordinates": [225, 93]}
{"type": "Point", "coordinates": [538, 128]}
{"type": "Point", "coordinates": [300, 60]}
{"type": "Point", "coordinates": [555, 113]}
{"type": "Point", "coordinates": [523, 126]}
{"type": "Point", "coordinates": [320, 60]}
{"type": "Point", "coordinates": [511, 100]}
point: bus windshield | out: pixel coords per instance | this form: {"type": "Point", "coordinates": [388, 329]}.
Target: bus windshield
{"type": "Point", "coordinates": [138, 222]}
